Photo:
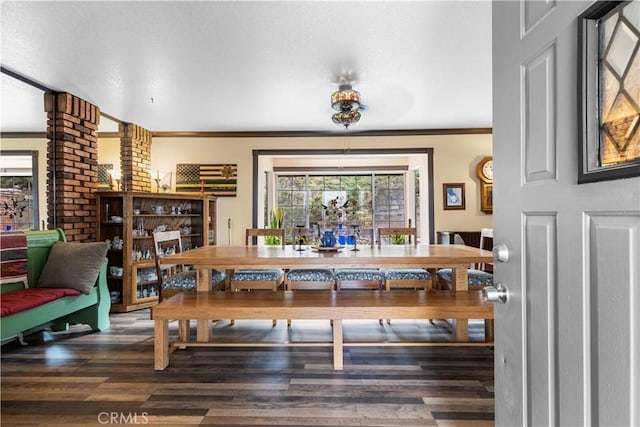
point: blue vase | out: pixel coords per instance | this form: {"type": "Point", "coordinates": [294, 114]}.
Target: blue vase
{"type": "Point", "coordinates": [341, 237]}
{"type": "Point", "coordinates": [328, 240]}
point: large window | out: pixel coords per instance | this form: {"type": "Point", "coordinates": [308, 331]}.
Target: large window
{"type": "Point", "coordinates": [18, 190]}
{"type": "Point", "coordinates": [366, 200]}
{"type": "Point", "coordinates": [389, 201]}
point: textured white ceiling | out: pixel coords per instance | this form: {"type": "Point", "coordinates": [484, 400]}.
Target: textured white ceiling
{"type": "Point", "coordinates": [251, 66]}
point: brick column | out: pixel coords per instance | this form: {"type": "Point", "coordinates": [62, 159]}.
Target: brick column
{"type": "Point", "coordinates": [72, 165]}
{"type": "Point", "coordinates": [135, 157]}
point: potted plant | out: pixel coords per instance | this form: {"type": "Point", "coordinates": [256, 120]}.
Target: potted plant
{"type": "Point", "coordinates": [397, 239]}
{"type": "Point", "coordinates": [276, 219]}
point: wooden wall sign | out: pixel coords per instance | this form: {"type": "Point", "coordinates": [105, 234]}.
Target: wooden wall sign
{"type": "Point", "coordinates": [219, 180]}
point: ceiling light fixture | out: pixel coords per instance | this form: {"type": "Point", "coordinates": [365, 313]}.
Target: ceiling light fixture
{"type": "Point", "coordinates": [347, 102]}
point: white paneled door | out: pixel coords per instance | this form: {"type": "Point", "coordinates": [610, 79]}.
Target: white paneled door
{"type": "Point", "coordinates": [568, 338]}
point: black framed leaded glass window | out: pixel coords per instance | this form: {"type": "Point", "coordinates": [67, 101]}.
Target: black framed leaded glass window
{"type": "Point", "coordinates": [610, 91]}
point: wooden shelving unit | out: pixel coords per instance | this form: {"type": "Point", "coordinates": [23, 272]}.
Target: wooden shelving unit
{"type": "Point", "coordinates": [132, 217]}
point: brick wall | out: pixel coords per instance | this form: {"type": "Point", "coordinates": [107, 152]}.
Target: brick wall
{"type": "Point", "coordinates": [72, 165]}
{"type": "Point", "coordinates": [135, 157]}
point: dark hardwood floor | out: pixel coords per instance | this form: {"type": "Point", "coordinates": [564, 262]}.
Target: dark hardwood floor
{"type": "Point", "coordinates": [80, 378]}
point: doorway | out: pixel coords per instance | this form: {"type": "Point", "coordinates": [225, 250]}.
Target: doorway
{"type": "Point", "coordinates": [417, 159]}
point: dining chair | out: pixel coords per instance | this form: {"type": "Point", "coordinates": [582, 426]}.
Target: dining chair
{"type": "Point", "coordinates": [360, 278]}
{"type": "Point", "coordinates": [479, 275]}
{"type": "Point", "coordinates": [259, 279]}
{"type": "Point", "coordinates": [308, 278]}
{"type": "Point", "coordinates": [403, 278]}
{"type": "Point", "coordinates": [176, 278]}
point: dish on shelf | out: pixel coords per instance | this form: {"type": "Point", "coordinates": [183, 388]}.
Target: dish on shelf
{"type": "Point", "coordinates": [327, 248]}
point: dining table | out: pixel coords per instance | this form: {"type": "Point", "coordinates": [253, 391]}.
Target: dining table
{"type": "Point", "coordinates": [210, 257]}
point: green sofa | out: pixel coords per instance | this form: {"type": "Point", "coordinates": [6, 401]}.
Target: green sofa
{"type": "Point", "coordinates": [92, 309]}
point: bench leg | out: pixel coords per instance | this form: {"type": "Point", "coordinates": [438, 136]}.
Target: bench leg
{"type": "Point", "coordinates": [338, 348]}
{"type": "Point", "coordinates": [161, 345]}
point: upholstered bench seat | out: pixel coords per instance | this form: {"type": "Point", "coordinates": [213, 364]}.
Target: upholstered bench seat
{"type": "Point", "coordinates": [67, 283]}
{"type": "Point", "coordinates": [25, 299]}
{"type": "Point", "coordinates": [477, 279]}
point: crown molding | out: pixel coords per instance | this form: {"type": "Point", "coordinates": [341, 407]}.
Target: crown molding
{"type": "Point", "coordinates": [278, 134]}
{"type": "Point", "coordinates": [324, 134]}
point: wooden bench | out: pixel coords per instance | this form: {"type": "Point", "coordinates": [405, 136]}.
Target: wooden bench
{"type": "Point", "coordinates": [309, 305]}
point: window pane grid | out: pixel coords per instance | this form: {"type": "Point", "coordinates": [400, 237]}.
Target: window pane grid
{"type": "Point", "coordinates": [304, 199]}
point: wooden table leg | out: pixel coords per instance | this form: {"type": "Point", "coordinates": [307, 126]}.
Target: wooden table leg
{"type": "Point", "coordinates": [184, 330]}
{"type": "Point", "coordinates": [488, 329]}
{"type": "Point", "coordinates": [227, 279]}
{"type": "Point", "coordinates": [203, 285]}
{"type": "Point", "coordinates": [161, 344]}
{"type": "Point", "coordinates": [338, 348]}
{"type": "Point", "coordinates": [202, 330]}
{"type": "Point", "coordinates": [203, 280]}
{"type": "Point", "coordinates": [462, 330]}
{"type": "Point", "coordinates": [461, 278]}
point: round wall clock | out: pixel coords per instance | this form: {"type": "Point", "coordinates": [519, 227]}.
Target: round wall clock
{"type": "Point", "coordinates": [485, 170]}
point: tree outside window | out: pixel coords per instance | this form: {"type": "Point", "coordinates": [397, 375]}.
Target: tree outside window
{"type": "Point", "coordinates": [368, 201]}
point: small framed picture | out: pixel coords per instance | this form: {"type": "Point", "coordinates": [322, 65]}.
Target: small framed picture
{"type": "Point", "coordinates": [453, 196]}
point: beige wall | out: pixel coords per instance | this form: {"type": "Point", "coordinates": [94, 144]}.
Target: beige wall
{"type": "Point", "coordinates": [109, 151]}
{"type": "Point", "coordinates": [455, 160]}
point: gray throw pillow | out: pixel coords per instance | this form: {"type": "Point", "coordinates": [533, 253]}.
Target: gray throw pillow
{"type": "Point", "coordinates": [73, 265]}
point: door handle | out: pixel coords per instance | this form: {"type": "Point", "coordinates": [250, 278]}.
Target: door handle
{"type": "Point", "coordinates": [496, 294]}
{"type": "Point", "coordinates": [501, 253]}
